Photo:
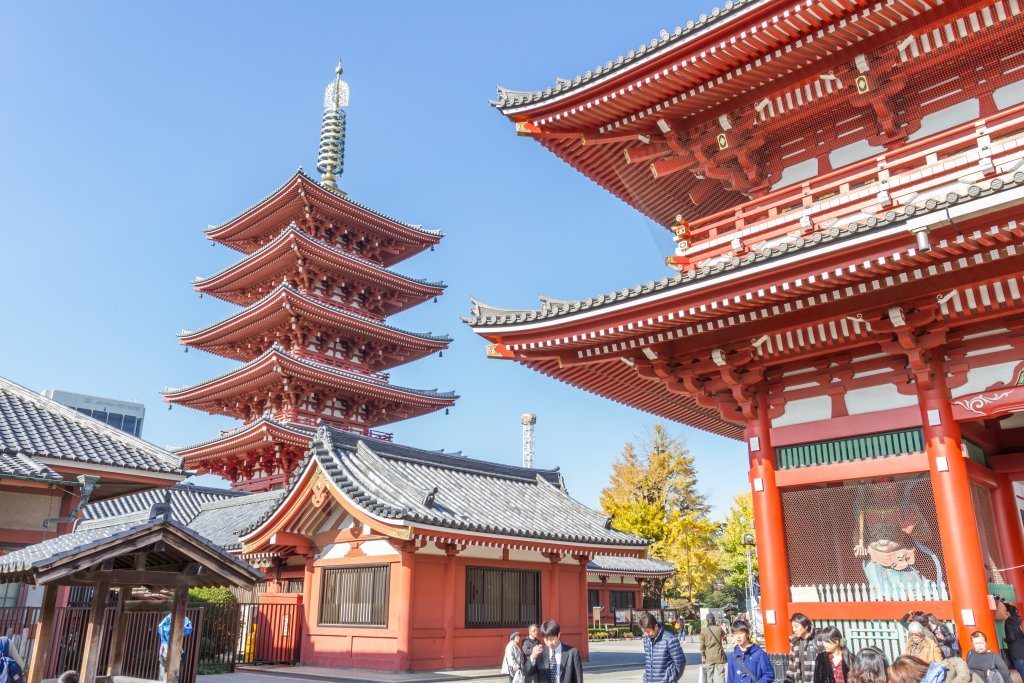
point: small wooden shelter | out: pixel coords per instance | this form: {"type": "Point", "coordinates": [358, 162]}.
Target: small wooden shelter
{"type": "Point", "coordinates": [156, 553]}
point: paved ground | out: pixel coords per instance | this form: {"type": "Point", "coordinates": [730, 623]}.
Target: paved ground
{"type": "Point", "coordinates": [610, 662]}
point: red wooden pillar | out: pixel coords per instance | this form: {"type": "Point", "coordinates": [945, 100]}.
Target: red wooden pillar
{"type": "Point", "coordinates": [771, 539]}
{"type": "Point", "coordinates": [448, 654]}
{"type": "Point", "coordinates": [403, 600]}
{"type": "Point", "coordinates": [553, 606]}
{"type": "Point", "coordinates": [965, 571]}
{"type": "Point", "coordinates": [584, 644]}
{"type": "Point", "coordinates": [309, 610]}
{"type": "Point", "coordinates": [1009, 532]}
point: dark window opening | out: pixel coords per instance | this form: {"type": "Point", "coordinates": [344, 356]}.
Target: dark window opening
{"type": "Point", "coordinates": [355, 596]}
{"type": "Point", "coordinates": [502, 598]}
{"type": "Point", "coordinates": [622, 599]}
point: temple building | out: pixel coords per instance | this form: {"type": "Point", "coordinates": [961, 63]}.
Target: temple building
{"type": "Point", "coordinates": [397, 557]}
{"type": "Point", "coordinates": [616, 583]}
{"type": "Point", "coordinates": [316, 289]}
{"type": "Point", "coordinates": [53, 461]}
{"type": "Point", "coordinates": [844, 183]}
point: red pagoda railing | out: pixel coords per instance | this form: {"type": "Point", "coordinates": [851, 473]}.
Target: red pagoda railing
{"type": "Point", "coordinates": [985, 147]}
{"type": "Point", "coordinates": [313, 422]}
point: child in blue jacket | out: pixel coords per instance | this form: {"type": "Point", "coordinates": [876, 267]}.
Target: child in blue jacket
{"type": "Point", "coordinates": [748, 663]}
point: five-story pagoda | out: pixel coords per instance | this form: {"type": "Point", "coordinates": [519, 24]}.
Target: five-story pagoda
{"type": "Point", "coordinates": [317, 289]}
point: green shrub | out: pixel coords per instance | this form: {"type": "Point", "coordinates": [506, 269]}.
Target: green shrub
{"type": "Point", "coordinates": [220, 595]}
{"type": "Point", "coordinates": [599, 635]}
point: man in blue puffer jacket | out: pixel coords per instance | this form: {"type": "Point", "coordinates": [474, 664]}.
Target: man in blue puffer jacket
{"type": "Point", "coordinates": [748, 663]}
{"type": "Point", "coordinates": [663, 656]}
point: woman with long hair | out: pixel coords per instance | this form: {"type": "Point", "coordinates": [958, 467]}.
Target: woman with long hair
{"type": "Point", "coordinates": [869, 666]}
{"type": "Point", "coordinates": [832, 665]}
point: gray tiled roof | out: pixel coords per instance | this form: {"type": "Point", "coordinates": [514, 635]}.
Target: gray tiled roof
{"type": "Point", "coordinates": [37, 427]}
{"type": "Point", "coordinates": [223, 521]}
{"type": "Point", "coordinates": [52, 548]}
{"type": "Point", "coordinates": [186, 502]}
{"type": "Point", "coordinates": [14, 565]}
{"type": "Point", "coordinates": [633, 565]}
{"type": "Point", "coordinates": [508, 99]}
{"type": "Point", "coordinates": [456, 493]}
{"type": "Point", "coordinates": [14, 465]}
{"type": "Point", "coordinates": [483, 315]}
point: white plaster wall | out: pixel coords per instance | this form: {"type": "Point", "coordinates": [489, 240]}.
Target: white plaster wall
{"type": "Point", "coordinates": [877, 399]}
{"type": "Point", "coordinates": [979, 379]}
{"type": "Point", "coordinates": [334, 551]}
{"type": "Point", "coordinates": [805, 410]}
{"type": "Point", "coordinates": [378, 547]}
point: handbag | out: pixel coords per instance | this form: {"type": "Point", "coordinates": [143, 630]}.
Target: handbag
{"type": "Point", "coordinates": [518, 677]}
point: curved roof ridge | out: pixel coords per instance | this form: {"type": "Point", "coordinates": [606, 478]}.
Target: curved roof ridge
{"type": "Point", "coordinates": [240, 429]}
{"type": "Point", "coordinates": [291, 229]}
{"type": "Point", "coordinates": [510, 99]}
{"type": "Point", "coordinates": [300, 173]}
{"type": "Point", "coordinates": [276, 348]}
{"type": "Point", "coordinates": [170, 461]}
{"type": "Point", "coordinates": [452, 460]}
{"type": "Point", "coordinates": [782, 247]}
{"type": "Point", "coordinates": [285, 286]}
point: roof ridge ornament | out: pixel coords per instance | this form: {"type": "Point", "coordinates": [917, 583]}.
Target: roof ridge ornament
{"type": "Point", "coordinates": [331, 158]}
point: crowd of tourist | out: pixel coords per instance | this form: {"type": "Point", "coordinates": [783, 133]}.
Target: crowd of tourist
{"type": "Point", "coordinates": [931, 655]}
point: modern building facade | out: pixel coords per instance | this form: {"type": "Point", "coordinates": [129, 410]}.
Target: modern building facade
{"type": "Point", "coordinates": [316, 289]}
{"type": "Point", "coordinates": [844, 182]}
{"type": "Point", "coordinates": [124, 415]}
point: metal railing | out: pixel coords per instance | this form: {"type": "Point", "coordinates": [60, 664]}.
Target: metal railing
{"type": "Point", "coordinates": [934, 164]}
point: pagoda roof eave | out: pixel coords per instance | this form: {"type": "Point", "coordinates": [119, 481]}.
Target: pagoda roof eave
{"type": "Point", "coordinates": [513, 103]}
{"type": "Point", "coordinates": [491, 321]}
{"type": "Point", "coordinates": [225, 231]}
{"type": "Point", "coordinates": [285, 298]}
{"type": "Point", "coordinates": [294, 236]}
{"type": "Point", "coordinates": [258, 431]}
{"type": "Point", "coordinates": [276, 361]}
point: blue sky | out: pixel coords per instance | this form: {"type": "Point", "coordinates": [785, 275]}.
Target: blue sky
{"type": "Point", "coordinates": [126, 128]}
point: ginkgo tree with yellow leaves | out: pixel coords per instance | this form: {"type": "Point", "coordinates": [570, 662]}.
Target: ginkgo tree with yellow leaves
{"type": "Point", "coordinates": [653, 492]}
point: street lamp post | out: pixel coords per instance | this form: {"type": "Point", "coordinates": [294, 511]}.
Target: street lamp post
{"type": "Point", "coordinates": [748, 541]}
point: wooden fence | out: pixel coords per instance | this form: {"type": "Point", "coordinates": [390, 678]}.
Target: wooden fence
{"type": "Point", "coordinates": [222, 636]}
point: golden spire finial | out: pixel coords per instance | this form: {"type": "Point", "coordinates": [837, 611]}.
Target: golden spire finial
{"type": "Point", "coordinates": [331, 160]}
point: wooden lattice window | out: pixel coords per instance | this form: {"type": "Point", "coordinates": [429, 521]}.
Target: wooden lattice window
{"type": "Point", "coordinates": [622, 599]}
{"type": "Point", "coordinates": [355, 596]}
{"type": "Point", "coordinates": [502, 598]}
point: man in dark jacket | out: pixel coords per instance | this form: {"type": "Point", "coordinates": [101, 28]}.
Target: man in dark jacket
{"type": "Point", "coordinates": [1015, 638]}
{"type": "Point", "coordinates": [554, 661]}
{"type": "Point", "coordinates": [530, 642]}
{"type": "Point", "coordinates": [747, 662]}
{"type": "Point", "coordinates": [663, 656]}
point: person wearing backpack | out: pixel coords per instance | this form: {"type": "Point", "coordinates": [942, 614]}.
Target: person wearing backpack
{"type": "Point", "coordinates": [10, 670]}
{"type": "Point", "coordinates": [990, 666]}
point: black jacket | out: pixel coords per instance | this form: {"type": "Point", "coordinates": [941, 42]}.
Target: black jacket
{"type": "Point", "coordinates": [528, 645]}
{"type": "Point", "coordinates": [571, 666]}
{"type": "Point", "coordinates": [823, 668]}
{"type": "Point", "coordinates": [1014, 638]}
